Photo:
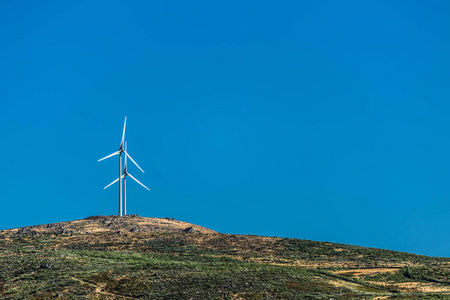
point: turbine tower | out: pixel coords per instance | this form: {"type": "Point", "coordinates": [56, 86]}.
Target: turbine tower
{"type": "Point", "coordinates": [120, 151]}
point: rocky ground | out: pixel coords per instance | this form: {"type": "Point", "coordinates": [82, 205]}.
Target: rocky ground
{"type": "Point", "coordinates": [124, 224]}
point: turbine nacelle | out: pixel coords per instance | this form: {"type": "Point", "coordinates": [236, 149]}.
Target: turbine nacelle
{"type": "Point", "coordinates": [121, 148]}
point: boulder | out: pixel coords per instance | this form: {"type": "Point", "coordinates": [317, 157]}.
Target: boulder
{"type": "Point", "coordinates": [189, 230]}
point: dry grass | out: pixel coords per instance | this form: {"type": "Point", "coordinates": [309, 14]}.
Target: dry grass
{"type": "Point", "coordinates": [416, 287]}
{"type": "Point", "coordinates": [368, 271]}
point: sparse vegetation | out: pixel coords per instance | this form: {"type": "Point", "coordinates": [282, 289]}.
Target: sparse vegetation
{"type": "Point", "coordinates": [91, 260]}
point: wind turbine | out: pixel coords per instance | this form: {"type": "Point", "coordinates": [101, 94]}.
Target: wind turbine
{"type": "Point", "coordinates": [124, 176]}
{"type": "Point", "coordinates": [120, 151]}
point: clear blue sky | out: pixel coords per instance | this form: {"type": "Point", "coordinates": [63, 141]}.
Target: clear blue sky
{"type": "Point", "coordinates": [321, 120]}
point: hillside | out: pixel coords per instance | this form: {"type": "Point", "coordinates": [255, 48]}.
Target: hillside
{"type": "Point", "coordinates": [107, 257]}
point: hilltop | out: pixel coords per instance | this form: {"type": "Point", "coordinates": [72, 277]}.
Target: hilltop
{"type": "Point", "coordinates": [109, 257]}
{"type": "Point", "coordinates": [108, 224]}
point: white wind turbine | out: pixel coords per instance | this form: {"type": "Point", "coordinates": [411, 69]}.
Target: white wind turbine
{"type": "Point", "coordinates": [120, 151]}
{"type": "Point", "coordinates": [124, 176]}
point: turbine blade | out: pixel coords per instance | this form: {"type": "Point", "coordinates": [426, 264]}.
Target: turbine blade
{"type": "Point", "coordinates": [138, 181]}
{"type": "Point", "coordinates": [125, 156]}
{"type": "Point", "coordinates": [123, 134]}
{"type": "Point", "coordinates": [133, 161]}
{"type": "Point", "coordinates": [115, 153]}
{"type": "Point", "coordinates": [112, 183]}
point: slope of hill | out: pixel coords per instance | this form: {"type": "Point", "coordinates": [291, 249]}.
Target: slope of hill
{"type": "Point", "coordinates": [107, 257]}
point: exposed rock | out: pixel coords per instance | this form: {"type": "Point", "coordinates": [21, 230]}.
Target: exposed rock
{"type": "Point", "coordinates": [96, 217]}
{"type": "Point", "coordinates": [189, 230]}
{"type": "Point", "coordinates": [65, 232]}
{"type": "Point", "coordinates": [27, 231]}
